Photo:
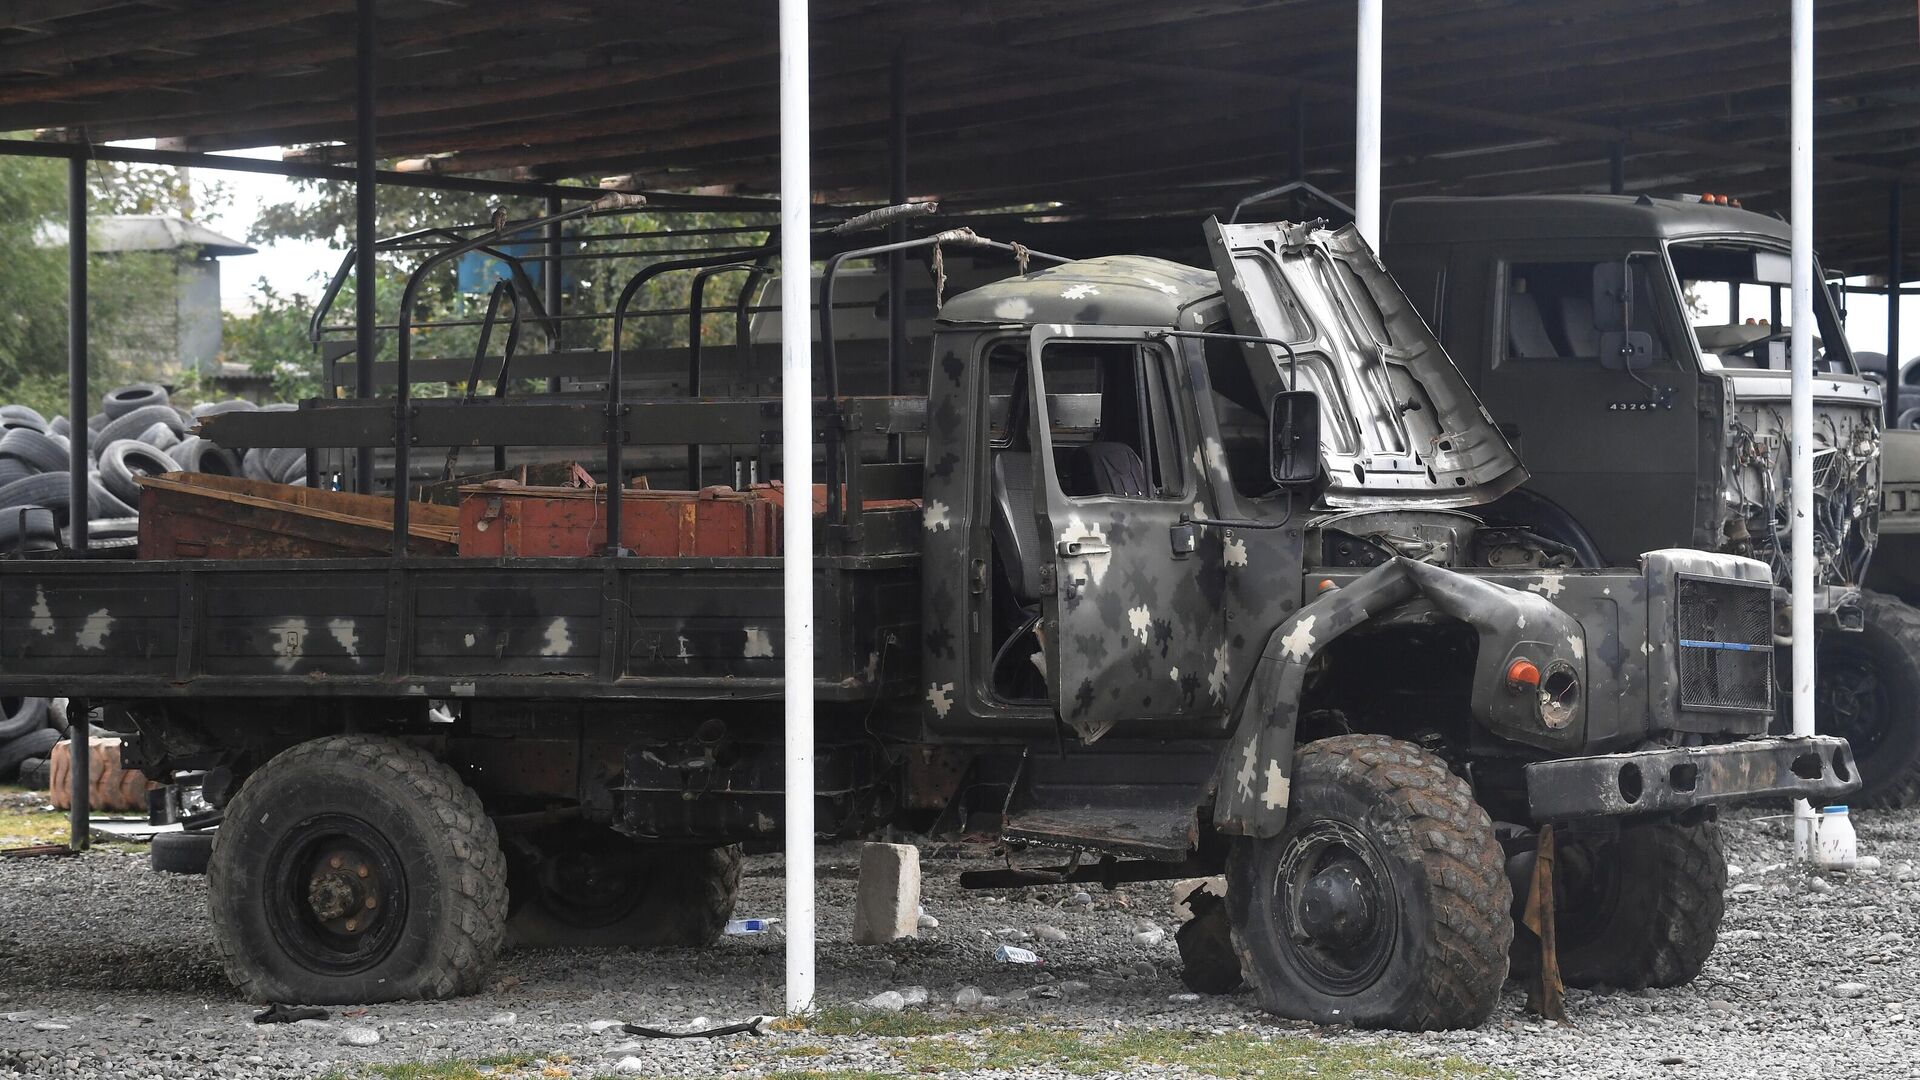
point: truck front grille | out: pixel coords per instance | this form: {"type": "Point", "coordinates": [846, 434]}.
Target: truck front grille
{"type": "Point", "coordinates": [1726, 644]}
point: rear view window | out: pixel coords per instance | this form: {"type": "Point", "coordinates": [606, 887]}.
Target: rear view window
{"type": "Point", "coordinates": [1550, 316]}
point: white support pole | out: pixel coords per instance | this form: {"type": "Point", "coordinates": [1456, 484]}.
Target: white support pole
{"type": "Point", "coordinates": [1366, 125]}
{"type": "Point", "coordinates": [1802, 402]}
{"type": "Point", "coordinates": [796, 456]}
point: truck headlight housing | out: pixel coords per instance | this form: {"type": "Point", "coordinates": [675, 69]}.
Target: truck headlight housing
{"type": "Point", "coordinates": [1559, 699]}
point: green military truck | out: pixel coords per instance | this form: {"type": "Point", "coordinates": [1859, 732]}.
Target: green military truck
{"type": "Point", "coordinates": [1184, 569]}
{"type": "Point", "coordinates": [1635, 351]}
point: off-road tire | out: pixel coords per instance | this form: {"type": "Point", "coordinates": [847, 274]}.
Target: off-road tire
{"type": "Point", "coordinates": [1660, 897]}
{"type": "Point", "coordinates": [181, 852]}
{"type": "Point", "coordinates": [120, 402]}
{"type": "Point", "coordinates": [442, 853]}
{"type": "Point", "coordinates": [35, 774]}
{"type": "Point", "coordinates": [1441, 882]}
{"type": "Point", "coordinates": [34, 744]}
{"type": "Point", "coordinates": [1889, 644]}
{"type": "Point", "coordinates": [686, 896]}
{"type": "Point", "coordinates": [1208, 964]}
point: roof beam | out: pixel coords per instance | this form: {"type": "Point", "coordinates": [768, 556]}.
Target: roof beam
{"type": "Point", "coordinates": [168, 28]}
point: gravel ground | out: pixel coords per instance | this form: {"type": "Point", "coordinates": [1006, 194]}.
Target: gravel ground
{"type": "Point", "coordinates": [104, 972]}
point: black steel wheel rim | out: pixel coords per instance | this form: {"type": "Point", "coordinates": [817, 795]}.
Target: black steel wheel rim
{"type": "Point", "coordinates": [595, 886]}
{"type": "Point", "coordinates": [339, 898]}
{"type": "Point", "coordinates": [1334, 912]}
{"type": "Point", "coordinates": [1851, 698]}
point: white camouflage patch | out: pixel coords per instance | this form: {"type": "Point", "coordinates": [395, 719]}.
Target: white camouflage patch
{"type": "Point", "coordinates": [1235, 552]}
{"type": "Point", "coordinates": [1078, 291]}
{"type": "Point", "coordinates": [1278, 787]}
{"type": "Point", "coordinates": [1139, 619]}
{"type": "Point", "coordinates": [1298, 642]}
{"type": "Point", "coordinates": [940, 696]}
{"type": "Point", "coordinates": [935, 518]}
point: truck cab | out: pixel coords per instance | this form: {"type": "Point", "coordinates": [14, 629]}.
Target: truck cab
{"type": "Point", "coordinates": [1636, 351]}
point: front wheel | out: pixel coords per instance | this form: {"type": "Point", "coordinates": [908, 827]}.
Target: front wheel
{"type": "Point", "coordinates": [1383, 903]}
{"type": "Point", "coordinates": [1867, 691]}
{"type": "Point", "coordinates": [354, 869]}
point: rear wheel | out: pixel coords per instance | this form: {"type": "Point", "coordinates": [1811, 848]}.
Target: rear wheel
{"type": "Point", "coordinates": [1639, 909]}
{"type": "Point", "coordinates": [1867, 690]}
{"type": "Point", "coordinates": [1383, 903]}
{"type": "Point", "coordinates": [356, 869]}
{"type": "Point", "coordinates": [594, 887]}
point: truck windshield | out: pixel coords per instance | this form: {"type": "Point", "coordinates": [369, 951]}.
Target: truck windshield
{"type": "Point", "coordinates": [1738, 300]}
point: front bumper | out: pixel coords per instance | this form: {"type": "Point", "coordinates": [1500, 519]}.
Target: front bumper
{"type": "Point", "coordinates": [1816, 768]}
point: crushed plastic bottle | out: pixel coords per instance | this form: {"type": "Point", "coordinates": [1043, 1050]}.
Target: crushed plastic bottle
{"type": "Point", "coordinates": [741, 927]}
{"type": "Point", "coordinates": [1014, 954]}
{"type": "Point", "coordinates": [1834, 845]}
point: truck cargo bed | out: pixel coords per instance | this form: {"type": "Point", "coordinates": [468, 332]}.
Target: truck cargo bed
{"type": "Point", "coordinates": [633, 628]}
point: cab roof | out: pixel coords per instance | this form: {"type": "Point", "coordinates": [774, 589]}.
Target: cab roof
{"type": "Point", "coordinates": [1523, 217]}
{"type": "Point", "coordinates": [1112, 290]}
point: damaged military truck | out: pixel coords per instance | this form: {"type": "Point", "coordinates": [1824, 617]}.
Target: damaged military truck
{"type": "Point", "coordinates": [1634, 350]}
{"type": "Point", "coordinates": [1182, 567]}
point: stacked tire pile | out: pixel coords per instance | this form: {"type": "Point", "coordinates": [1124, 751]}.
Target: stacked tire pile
{"type": "Point", "coordinates": [138, 432]}
{"type": "Point", "coordinates": [29, 729]}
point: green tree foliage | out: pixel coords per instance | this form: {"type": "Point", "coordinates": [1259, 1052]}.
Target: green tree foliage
{"type": "Point", "coordinates": [130, 295]}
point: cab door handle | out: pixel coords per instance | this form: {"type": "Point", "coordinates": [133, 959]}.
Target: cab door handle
{"type": "Point", "coordinates": [1075, 548]}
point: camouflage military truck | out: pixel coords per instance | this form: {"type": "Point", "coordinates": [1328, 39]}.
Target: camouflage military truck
{"type": "Point", "coordinates": [1635, 351]}
{"type": "Point", "coordinates": [1182, 574]}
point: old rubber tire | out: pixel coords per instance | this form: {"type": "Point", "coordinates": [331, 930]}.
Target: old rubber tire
{"type": "Point", "coordinates": [1208, 964]}
{"type": "Point", "coordinates": [1639, 910]}
{"type": "Point", "coordinates": [602, 889]}
{"type": "Point", "coordinates": [34, 744]}
{"type": "Point", "coordinates": [19, 715]}
{"type": "Point", "coordinates": [119, 403]}
{"type": "Point", "coordinates": [35, 774]}
{"type": "Point", "coordinates": [324, 828]}
{"type": "Point", "coordinates": [36, 450]}
{"type": "Point", "coordinates": [1383, 902]}
{"type": "Point", "coordinates": [195, 454]}
{"type": "Point", "coordinates": [123, 462]}
{"type": "Point", "coordinates": [1867, 690]}
{"type": "Point", "coordinates": [181, 852]}
{"type": "Point", "coordinates": [130, 425]}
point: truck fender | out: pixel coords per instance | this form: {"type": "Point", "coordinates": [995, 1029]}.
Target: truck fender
{"type": "Point", "coordinates": [1252, 782]}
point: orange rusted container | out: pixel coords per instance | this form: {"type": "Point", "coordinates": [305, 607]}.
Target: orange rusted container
{"type": "Point", "coordinates": [502, 519]}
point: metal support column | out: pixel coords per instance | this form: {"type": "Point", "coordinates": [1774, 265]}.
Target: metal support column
{"type": "Point", "coordinates": [1895, 274]}
{"type": "Point", "coordinates": [365, 194]}
{"type": "Point", "coordinates": [897, 233]}
{"type": "Point", "coordinates": [1366, 125]}
{"type": "Point", "coordinates": [78, 466]}
{"type": "Point", "coordinates": [897, 194]}
{"type": "Point", "coordinates": [554, 279]}
{"type": "Point", "coordinates": [1801, 412]}
{"type": "Point", "coordinates": [796, 458]}
{"type": "Point", "coordinates": [1617, 168]}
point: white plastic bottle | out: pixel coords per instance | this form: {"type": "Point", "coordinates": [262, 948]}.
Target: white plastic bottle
{"type": "Point", "coordinates": [1833, 839]}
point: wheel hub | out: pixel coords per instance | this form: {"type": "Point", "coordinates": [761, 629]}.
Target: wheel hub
{"type": "Point", "coordinates": [1337, 907]}
{"type": "Point", "coordinates": [344, 891]}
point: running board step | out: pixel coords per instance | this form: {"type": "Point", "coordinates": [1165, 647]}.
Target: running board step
{"type": "Point", "coordinates": [1135, 798]}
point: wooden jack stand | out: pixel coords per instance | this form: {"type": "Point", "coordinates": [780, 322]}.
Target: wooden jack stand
{"type": "Point", "coordinates": [1547, 996]}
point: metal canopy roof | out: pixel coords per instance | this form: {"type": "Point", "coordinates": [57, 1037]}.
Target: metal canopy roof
{"type": "Point", "coordinates": [1107, 107]}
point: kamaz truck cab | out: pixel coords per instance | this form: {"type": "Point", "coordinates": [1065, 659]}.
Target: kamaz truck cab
{"type": "Point", "coordinates": [1635, 349]}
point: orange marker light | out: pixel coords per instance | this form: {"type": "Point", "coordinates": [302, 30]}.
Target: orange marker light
{"type": "Point", "coordinates": [1523, 671]}
{"type": "Point", "coordinates": [1327, 585]}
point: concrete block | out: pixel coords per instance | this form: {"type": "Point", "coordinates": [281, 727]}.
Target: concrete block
{"type": "Point", "coordinates": [887, 905]}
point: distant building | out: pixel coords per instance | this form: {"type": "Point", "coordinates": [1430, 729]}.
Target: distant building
{"type": "Point", "coordinates": [196, 267]}
{"type": "Point", "coordinates": [192, 341]}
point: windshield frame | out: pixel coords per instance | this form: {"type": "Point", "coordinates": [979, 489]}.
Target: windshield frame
{"type": "Point", "coordinates": [1828, 325]}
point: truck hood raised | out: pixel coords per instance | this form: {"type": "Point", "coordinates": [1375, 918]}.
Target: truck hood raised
{"type": "Point", "coordinates": [1399, 424]}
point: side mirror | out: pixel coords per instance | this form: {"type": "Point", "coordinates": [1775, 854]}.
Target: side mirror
{"type": "Point", "coordinates": [1293, 438]}
{"type": "Point", "coordinates": [1626, 350]}
{"type": "Point", "coordinates": [1611, 282]}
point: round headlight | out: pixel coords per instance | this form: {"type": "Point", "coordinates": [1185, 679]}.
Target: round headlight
{"type": "Point", "coordinates": [1559, 698]}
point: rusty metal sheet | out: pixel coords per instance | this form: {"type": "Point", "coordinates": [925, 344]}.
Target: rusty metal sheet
{"type": "Point", "coordinates": [198, 516]}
